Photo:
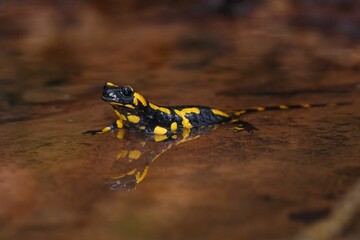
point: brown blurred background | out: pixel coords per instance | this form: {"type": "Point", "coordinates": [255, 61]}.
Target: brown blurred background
{"type": "Point", "coordinates": [272, 43]}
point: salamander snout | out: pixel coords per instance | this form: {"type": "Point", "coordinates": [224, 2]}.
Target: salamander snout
{"type": "Point", "coordinates": [110, 94]}
{"type": "Point", "coordinates": [114, 93]}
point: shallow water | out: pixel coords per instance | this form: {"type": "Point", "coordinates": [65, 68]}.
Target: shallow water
{"type": "Point", "coordinates": [273, 184]}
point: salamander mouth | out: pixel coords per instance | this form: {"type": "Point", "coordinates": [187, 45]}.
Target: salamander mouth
{"type": "Point", "coordinates": [109, 99]}
{"type": "Point", "coordinates": [110, 96]}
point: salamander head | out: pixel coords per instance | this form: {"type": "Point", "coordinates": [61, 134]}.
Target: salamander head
{"type": "Point", "coordinates": [122, 96]}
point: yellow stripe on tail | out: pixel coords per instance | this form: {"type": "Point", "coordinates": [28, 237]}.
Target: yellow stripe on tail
{"type": "Point", "coordinates": [286, 107]}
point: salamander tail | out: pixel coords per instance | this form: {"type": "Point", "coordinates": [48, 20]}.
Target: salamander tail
{"type": "Point", "coordinates": [287, 107]}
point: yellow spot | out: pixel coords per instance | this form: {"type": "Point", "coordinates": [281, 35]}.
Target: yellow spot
{"type": "Point", "coordinates": [239, 128]}
{"type": "Point", "coordinates": [120, 115]}
{"type": "Point", "coordinates": [115, 103]}
{"type": "Point", "coordinates": [283, 107]}
{"type": "Point", "coordinates": [185, 122]}
{"type": "Point", "coordinates": [141, 177]}
{"type": "Point", "coordinates": [160, 138]}
{"type": "Point", "coordinates": [185, 133]}
{"type": "Point", "coordinates": [129, 106]}
{"type": "Point", "coordinates": [305, 105]}
{"type": "Point", "coordinates": [174, 136]}
{"type": "Point", "coordinates": [134, 154]}
{"type": "Point", "coordinates": [110, 84]}
{"type": "Point", "coordinates": [121, 154]}
{"type": "Point", "coordinates": [191, 110]}
{"type": "Point", "coordinates": [131, 172]}
{"type": "Point", "coordinates": [186, 136]}
{"type": "Point", "coordinates": [142, 127]}
{"type": "Point", "coordinates": [120, 134]}
{"type": "Point", "coordinates": [238, 113]}
{"type": "Point", "coordinates": [218, 112]}
{"type": "Point", "coordinates": [117, 113]}
{"type": "Point", "coordinates": [260, 109]}
{"type": "Point", "coordinates": [133, 118]}
{"type": "Point", "coordinates": [135, 101]}
{"type": "Point", "coordinates": [119, 123]}
{"type": "Point", "coordinates": [160, 130]}
{"type": "Point", "coordinates": [173, 126]}
{"type": "Point", "coordinates": [140, 98]}
{"type": "Point", "coordinates": [105, 129]}
{"type": "Point", "coordinates": [165, 110]}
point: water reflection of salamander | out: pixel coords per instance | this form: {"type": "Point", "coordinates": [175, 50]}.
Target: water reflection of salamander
{"type": "Point", "coordinates": [138, 151]}
{"type": "Point", "coordinates": [137, 114]}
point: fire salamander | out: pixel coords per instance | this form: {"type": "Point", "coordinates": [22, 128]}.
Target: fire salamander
{"type": "Point", "coordinates": [135, 113]}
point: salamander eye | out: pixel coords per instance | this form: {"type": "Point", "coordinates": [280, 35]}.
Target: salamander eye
{"type": "Point", "coordinates": [127, 91]}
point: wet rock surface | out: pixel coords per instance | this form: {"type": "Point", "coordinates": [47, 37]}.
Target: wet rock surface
{"type": "Point", "coordinates": [297, 177]}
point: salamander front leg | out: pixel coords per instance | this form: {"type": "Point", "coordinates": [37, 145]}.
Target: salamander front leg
{"type": "Point", "coordinates": [244, 126]}
{"type": "Point", "coordinates": [115, 125]}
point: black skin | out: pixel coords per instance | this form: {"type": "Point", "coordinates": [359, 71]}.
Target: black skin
{"type": "Point", "coordinates": [126, 102]}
